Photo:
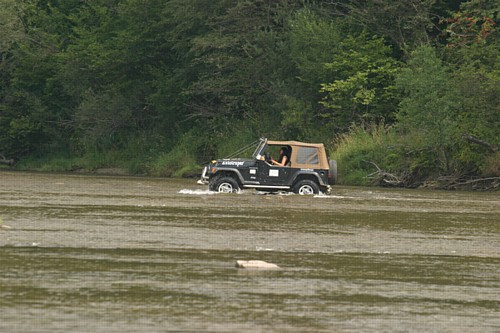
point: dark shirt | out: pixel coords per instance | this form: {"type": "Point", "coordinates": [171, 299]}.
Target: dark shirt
{"type": "Point", "coordinates": [281, 159]}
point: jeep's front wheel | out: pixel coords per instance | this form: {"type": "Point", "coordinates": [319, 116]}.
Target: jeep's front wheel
{"type": "Point", "coordinates": [306, 187]}
{"type": "Point", "coordinates": [225, 185]}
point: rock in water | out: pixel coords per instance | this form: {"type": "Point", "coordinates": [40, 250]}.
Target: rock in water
{"type": "Point", "coordinates": [255, 264]}
{"type": "Point", "coordinates": [3, 226]}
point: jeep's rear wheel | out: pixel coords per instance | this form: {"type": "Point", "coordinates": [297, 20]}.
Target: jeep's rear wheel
{"type": "Point", "coordinates": [225, 185]}
{"type": "Point", "coordinates": [306, 187]}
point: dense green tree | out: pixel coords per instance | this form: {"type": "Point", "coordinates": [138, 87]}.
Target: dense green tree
{"type": "Point", "coordinates": [346, 72]}
{"type": "Point", "coordinates": [472, 49]}
{"type": "Point", "coordinates": [152, 80]}
{"type": "Point", "coordinates": [406, 24]}
{"type": "Point", "coordinates": [364, 86]}
{"type": "Point", "coordinates": [430, 106]}
{"type": "Point", "coordinates": [236, 58]}
{"type": "Point", "coordinates": [33, 107]}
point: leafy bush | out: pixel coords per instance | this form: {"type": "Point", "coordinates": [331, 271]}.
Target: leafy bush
{"type": "Point", "coordinates": [181, 159]}
{"type": "Point", "coordinates": [357, 150]}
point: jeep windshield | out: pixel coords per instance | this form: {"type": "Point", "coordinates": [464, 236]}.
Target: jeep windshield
{"type": "Point", "coordinates": [260, 148]}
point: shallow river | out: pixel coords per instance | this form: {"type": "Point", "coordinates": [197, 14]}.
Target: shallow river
{"type": "Point", "coordinates": [111, 254]}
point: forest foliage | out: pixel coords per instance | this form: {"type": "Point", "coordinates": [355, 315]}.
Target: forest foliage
{"type": "Point", "coordinates": [161, 86]}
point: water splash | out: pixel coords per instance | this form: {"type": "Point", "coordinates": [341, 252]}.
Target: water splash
{"type": "Point", "coordinates": [331, 196]}
{"type": "Point", "coordinates": [196, 192]}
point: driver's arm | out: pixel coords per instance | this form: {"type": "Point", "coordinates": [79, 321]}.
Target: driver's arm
{"type": "Point", "coordinates": [283, 161]}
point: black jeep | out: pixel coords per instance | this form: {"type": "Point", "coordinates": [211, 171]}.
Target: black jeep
{"type": "Point", "coordinates": [307, 171]}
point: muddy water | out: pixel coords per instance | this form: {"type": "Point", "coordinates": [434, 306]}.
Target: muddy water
{"type": "Point", "coordinates": [102, 254]}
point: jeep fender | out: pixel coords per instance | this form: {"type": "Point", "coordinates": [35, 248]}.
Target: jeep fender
{"type": "Point", "coordinates": [230, 170]}
{"type": "Point", "coordinates": [309, 174]}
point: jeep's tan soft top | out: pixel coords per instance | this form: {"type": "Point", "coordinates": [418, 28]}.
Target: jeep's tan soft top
{"type": "Point", "coordinates": [305, 155]}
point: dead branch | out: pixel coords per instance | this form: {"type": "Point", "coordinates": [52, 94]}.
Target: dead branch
{"type": "Point", "coordinates": [493, 148]}
{"type": "Point", "coordinates": [489, 183]}
{"type": "Point", "coordinates": [382, 177]}
{"type": "Point", "coordinates": [478, 180]}
{"type": "Point", "coordinates": [6, 161]}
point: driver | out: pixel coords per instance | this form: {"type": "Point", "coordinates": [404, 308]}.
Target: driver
{"type": "Point", "coordinates": [284, 157]}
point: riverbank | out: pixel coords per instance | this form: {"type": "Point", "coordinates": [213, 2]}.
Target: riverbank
{"type": "Point", "coordinates": [112, 163]}
{"type": "Point", "coordinates": [369, 155]}
{"type": "Point", "coordinates": [474, 184]}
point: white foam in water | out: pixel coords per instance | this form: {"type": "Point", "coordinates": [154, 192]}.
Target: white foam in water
{"type": "Point", "coordinates": [285, 193]}
{"type": "Point", "coordinates": [274, 193]}
{"type": "Point", "coordinates": [258, 248]}
{"type": "Point", "coordinates": [325, 196]}
{"type": "Point", "coordinates": [196, 192]}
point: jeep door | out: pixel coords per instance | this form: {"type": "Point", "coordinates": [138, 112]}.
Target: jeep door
{"type": "Point", "coordinates": [272, 175]}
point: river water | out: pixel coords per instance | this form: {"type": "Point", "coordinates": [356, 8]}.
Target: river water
{"type": "Point", "coordinates": [124, 254]}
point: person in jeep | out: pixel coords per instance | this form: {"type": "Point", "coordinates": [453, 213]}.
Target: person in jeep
{"type": "Point", "coordinates": [284, 158]}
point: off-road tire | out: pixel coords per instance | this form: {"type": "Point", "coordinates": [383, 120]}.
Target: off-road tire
{"type": "Point", "coordinates": [306, 187]}
{"type": "Point", "coordinates": [332, 172]}
{"type": "Point", "coordinates": [225, 184]}
{"type": "Point", "coordinates": [212, 182]}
